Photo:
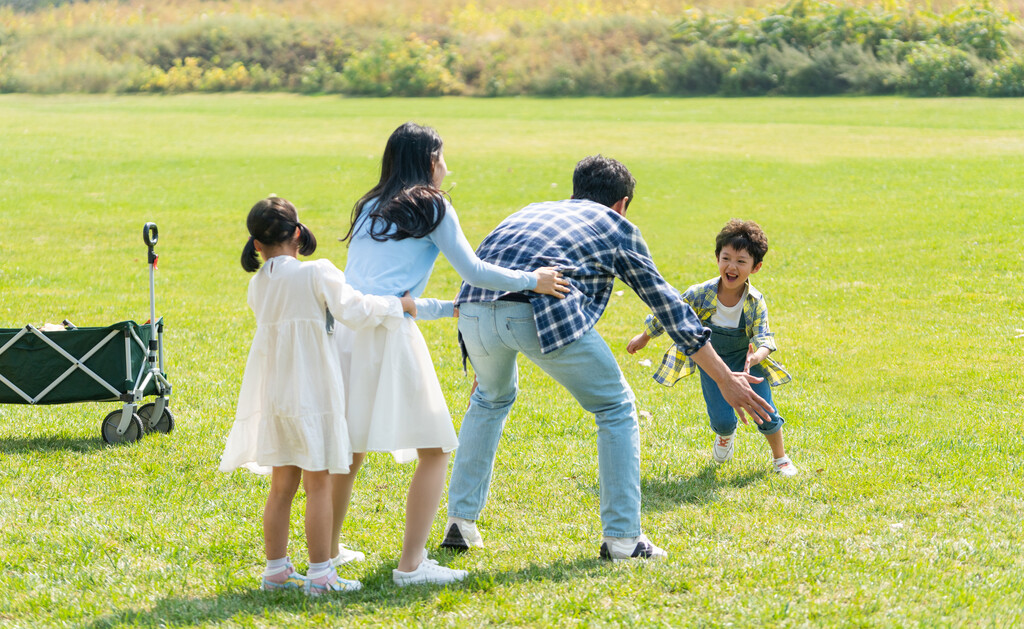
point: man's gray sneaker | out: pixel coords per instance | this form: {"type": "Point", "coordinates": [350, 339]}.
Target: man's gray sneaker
{"type": "Point", "coordinates": [461, 535]}
{"type": "Point", "coordinates": [627, 548]}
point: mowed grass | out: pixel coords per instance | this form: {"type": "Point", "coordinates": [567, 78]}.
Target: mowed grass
{"type": "Point", "coordinates": [895, 286]}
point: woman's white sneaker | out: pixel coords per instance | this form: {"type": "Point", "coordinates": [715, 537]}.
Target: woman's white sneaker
{"type": "Point", "coordinates": [346, 555]}
{"type": "Point", "coordinates": [428, 572]}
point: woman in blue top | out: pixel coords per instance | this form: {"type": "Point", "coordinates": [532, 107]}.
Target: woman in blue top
{"type": "Point", "coordinates": [394, 399]}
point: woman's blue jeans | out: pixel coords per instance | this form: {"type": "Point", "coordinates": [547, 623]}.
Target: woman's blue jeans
{"type": "Point", "coordinates": [494, 333]}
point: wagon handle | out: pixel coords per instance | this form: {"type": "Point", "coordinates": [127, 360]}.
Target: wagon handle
{"type": "Point", "coordinates": [150, 234]}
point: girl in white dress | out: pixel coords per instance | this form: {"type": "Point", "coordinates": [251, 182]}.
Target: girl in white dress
{"type": "Point", "coordinates": [290, 420]}
{"type": "Point", "coordinates": [394, 400]}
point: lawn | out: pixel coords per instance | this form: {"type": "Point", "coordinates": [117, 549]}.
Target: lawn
{"type": "Point", "coordinates": [894, 281]}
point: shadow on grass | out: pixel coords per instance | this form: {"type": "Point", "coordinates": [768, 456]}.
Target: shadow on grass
{"type": "Point", "coordinates": [43, 443]}
{"type": "Point", "coordinates": [378, 593]}
{"type": "Point", "coordinates": [662, 494]}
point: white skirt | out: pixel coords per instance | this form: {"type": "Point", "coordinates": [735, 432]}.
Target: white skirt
{"type": "Point", "coordinates": [393, 398]}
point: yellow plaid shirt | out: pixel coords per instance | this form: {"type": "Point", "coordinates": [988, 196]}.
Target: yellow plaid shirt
{"type": "Point", "coordinates": [703, 298]}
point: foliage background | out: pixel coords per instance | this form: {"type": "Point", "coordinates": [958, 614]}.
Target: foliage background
{"type": "Point", "coordinates": [481, 48]}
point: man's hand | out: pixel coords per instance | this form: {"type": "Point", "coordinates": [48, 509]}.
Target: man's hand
{"type": "Point", "coordinates": [734, 385]}
{"type": "Point", "coordinates": [638, 342]}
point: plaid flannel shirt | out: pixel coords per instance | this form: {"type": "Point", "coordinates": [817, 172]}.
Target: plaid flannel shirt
{"type": "Point", "coordinates": [592, 245]}
{"type": "Point", "coordinates": [703, 298]}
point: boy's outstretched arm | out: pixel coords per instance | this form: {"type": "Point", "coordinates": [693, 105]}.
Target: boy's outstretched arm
{"type": "Point", "coordinates": [735, 386]}
{"type": "Point", "coordinates": [638, 342]}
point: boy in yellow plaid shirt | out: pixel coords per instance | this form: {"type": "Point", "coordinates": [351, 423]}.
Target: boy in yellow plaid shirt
{"type": "Point", "coordinates": [738, 317]}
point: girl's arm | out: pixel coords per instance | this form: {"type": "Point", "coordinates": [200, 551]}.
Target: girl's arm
{"type": "Point", "coordinates": [353, 308]}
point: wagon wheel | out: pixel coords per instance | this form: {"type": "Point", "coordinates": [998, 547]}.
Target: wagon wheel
{"type": "Point", "coordinates": [113, 420]}
{"type": "Point", "coordinates": [164, 423]}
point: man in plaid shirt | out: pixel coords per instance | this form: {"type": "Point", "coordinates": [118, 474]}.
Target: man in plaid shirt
{"type": "Point", "coordinates": [589, 238]}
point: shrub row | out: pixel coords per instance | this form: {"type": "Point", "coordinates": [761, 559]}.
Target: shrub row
{"type": "Point", "coordinates": [805, 47]}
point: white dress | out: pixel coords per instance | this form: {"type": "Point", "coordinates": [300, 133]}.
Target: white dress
{"type": "Point", "coordinates": [291, 407]}
{"type": "Point", "coordinates": [394, 398]}
{"type": "Point", "coordinates": [395, 402]}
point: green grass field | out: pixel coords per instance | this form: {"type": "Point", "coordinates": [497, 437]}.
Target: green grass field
{"type": "Point", "coordinates": [895, 286]}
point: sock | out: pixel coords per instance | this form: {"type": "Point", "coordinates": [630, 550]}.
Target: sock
{"type": "Point", "coordinates": [319, 570]}
{"type": "Point", "coordinates": [278, 568]}
{"type": "Point", "coordinates": [779, 461]}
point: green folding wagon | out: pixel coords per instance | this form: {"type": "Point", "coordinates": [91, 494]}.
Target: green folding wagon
{"type": "Point", "coordinates": [123, 362]}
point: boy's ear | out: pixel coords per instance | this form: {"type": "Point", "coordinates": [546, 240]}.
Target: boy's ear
{"type": "Point", "coordinates": [757, 267]}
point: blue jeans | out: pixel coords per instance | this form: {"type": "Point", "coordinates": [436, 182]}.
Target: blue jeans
{"type": "Point", "coordinates": [723, 417]}
{"type": "Point", "coordinates": [494, 334]}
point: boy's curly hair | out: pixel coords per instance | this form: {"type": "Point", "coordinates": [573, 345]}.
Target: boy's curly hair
{"type": "Point", "coordinates": [743, 236]}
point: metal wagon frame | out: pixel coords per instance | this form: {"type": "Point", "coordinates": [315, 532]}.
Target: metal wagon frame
{"type": "Point", "coordinates": [37, 360]}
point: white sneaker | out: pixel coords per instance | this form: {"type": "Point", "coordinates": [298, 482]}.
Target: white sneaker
{"type": "Point", "coordinates": [785, 467]}
{"type": "Point", "coordinates": [461, 535]}
{"type": "Point", "coordinates": [722, 450]}
{"type": "Point", "coordinates": [346, 555]}
{"type": "Point", "coordinates": [428, 572]}
{"type": "Point", "coordinates": [626, 548]}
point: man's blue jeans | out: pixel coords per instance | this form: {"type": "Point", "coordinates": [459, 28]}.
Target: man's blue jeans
{"type": "Point", "coordinates": [494, 333]}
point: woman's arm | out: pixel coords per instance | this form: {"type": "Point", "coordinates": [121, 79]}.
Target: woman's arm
{"type": "Point", "coordinates": [456, 248]}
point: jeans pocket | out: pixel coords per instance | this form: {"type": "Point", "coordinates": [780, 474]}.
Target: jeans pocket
{"type": "Point", "coordinates": [524, 331]}
{"type": "Point", "coordinates": [469, 329]}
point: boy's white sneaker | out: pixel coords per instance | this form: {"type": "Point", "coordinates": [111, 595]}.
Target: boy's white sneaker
{"type": "Point", "coordinates": [784, 467]}
{"type": "Point", "coordinates": [346, 555]}
{"type": "Point", "coordinates": [461, 535]}
{"type": "Point", "coordinates": [627, 548]}
{"type": "Point", "coordinates": [428, 572]}
{"type": "Point", "coordinates": [722, 450]}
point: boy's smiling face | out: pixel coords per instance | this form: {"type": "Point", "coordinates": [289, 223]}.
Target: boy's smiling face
{"type": "Point", "coordinates": [735, 266]}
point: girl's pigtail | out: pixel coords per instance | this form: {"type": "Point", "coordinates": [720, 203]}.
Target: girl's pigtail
{"type": "Point", "coordinates": [250, 257]}
{"type": "Point", "coordinates": [307, 241]}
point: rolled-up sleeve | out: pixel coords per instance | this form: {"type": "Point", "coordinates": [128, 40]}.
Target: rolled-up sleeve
{"type": "Point", "coordinates": [761, 334]}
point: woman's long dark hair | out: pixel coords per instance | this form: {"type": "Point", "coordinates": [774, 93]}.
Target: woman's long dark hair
{"type": "Point", "coordinates": [273, 221]}
{"type": "Point", "coordinates": [407, 203]}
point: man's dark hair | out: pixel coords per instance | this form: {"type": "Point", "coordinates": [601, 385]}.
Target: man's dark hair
{"type": "Point", "coordinates": [602, 180]}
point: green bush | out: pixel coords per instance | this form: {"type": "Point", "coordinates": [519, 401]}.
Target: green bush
{"type": "Point", "coordinates": [409, 67]}
{"type": "Point", "coordinates": [695, 70]}
{"type": "Point", "coordinates": [803, 47]}
{"type": "Point", "coordinates": [1005, 78]}
{"type": "Point", "coordinates": [934, 69]}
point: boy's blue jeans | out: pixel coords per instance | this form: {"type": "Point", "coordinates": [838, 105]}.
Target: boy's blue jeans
{"type": "Point", "coordinates": [723, 417]}
{"type": "Point", "coordinates": [494, 333]}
